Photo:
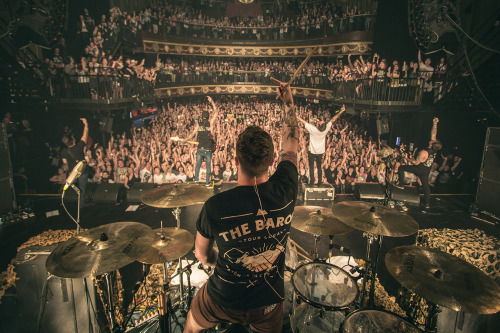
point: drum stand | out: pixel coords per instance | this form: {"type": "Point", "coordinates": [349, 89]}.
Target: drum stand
{"type": "Point", "coordinates": [177, 213]}
{"type": "Point", "coordinates": [370, 265]}
{"type": "Point", "coordinates": [110, 309]}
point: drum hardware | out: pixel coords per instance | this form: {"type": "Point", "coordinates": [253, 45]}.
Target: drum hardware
{"type": "Point", "coordinates": [376, 321]}
{"type": "Point", "coordinates": [443, 280]}
{"type": "Point", "coordinates": [176, 196]}
{"type": "Point", "coordinates": [322, 292]}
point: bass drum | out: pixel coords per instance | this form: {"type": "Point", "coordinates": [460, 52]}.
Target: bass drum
{"type": "Point", "coordinates": [377, 321]}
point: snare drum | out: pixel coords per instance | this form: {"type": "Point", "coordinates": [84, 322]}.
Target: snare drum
{"type": "Point", "coordinates": [324, 291]}
{"type": "Point", "coordinates": [376, 321]}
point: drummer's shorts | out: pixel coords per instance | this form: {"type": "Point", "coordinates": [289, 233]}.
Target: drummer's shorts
{"type": "Point", "coordinates": [207, 314]}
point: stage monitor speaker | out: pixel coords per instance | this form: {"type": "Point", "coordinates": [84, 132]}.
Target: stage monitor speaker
{"type": "Point", "coordinates": [136, 191]}
{"type": "Point", "coordinates": [72, 196]}
{"type": "Point", "coordinates": [44, 303]}
{"type": "Point", "coordinates": [369, 191]}
{"type": "Point", "coordinates": [108, 193]}
{"type": "Point", "coordinates": [488, 190]}
{"type": "Point", "coordinates": [317, 196]}
{"type": "Point", "coordinates": [407, 194]}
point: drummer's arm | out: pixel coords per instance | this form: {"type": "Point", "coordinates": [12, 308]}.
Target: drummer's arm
{"type": "Point", "coordinates": [204, 250]}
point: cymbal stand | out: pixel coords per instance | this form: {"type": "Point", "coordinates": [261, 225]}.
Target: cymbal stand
{"type": "Point", "coordinates": [165, 304]}
{"type": "Point", "coordinates": [314, 253]}
{"type": "Point", "coordinates": [177, 213]}
{"type": "Point", "coordinates": [110, 308]}
{"type": "Point", "coordinates": [370, 265]}
{"type": "Point", "coordinates": [431, 320]}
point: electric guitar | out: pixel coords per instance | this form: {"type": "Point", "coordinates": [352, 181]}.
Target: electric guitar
{"type": "Point", "coordinates": [176, 138]}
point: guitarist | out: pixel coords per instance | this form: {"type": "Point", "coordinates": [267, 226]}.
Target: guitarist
{"type": "Point", "coordinates": [204, 128]}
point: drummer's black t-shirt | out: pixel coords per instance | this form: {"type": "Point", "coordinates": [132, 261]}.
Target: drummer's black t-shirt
{"type": "Point", "coordinates": [251, 241]}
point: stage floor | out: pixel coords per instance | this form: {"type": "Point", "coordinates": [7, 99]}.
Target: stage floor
{"type": "Point", "coordinates": [448, 211]}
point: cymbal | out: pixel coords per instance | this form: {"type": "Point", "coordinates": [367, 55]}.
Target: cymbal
{"type": "Point", "coordinates": [444, 279]}
{"type": "Point", "coordinates": [100, 250]}
{"type": "Point", "coordinates": [169, 245]}
{"type": "Point", "coordinates": [176, 195]}
{"type": "Point", "coordinates": [318, 220]}
{"type": "Point", "coordinates": [375, 218]}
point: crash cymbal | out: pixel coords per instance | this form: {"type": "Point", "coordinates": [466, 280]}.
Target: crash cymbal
{"type": "Point", "coordinates": [169, 245]}
{"type": "Point", "coordinates": [375, 218]}
{"type": "Point", "coordinates": [176, 195]}
{"type": "Point", "coordinates": [318, 220]}
{"type": "Point", "coordinates": [444, 279]}
{"type": "Point", "coordinates": [100, 250]}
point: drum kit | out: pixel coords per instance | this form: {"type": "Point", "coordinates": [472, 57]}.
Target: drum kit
{"type": "Point", "coordinates": [326, 297]}
{"type": "Point", "coordinates": [104, 249]}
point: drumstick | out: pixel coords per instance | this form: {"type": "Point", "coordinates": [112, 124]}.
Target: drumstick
{"type": "Point", "coordinates": [303, 64]}
{"type": "Point", "coordinates": [298, 246]}
{"type": "Point", "coordinates": [300, 254]}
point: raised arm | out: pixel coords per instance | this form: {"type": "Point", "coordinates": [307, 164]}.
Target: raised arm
{"type": "Point", "coordinates": [290, 129]}
{"type": "Point", "coordinates": [342, 109]}
{"type": "Point", "coordinates": [301, 120]}
{"type": "Point", "coordinates": [434, 129]}
{"type": "Point", "coordinates": [214, 114]}
{"type": "Point", "coordinates": [85, 130]}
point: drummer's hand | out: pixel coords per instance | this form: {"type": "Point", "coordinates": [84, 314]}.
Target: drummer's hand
{"type": "Point", "coordinates": [284, 92]}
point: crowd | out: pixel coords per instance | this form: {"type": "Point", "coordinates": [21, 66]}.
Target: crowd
{"type": "Point", "coordinates": [151, 154]}
{"type": "Point", "coordinates": [168, 17]}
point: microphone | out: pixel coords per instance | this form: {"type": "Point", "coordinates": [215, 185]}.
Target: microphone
{"type": "Point", "coordinates": [75, 173]}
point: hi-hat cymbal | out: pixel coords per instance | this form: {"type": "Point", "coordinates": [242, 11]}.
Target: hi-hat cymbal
{"type": "Point", "coordinates": [318, 220]}
{"type": "Point", "coordinates": [176, 195]}
{"type": "Point", "coordinates": [444, 279]}
{"type": "Point", "coordinates": [169, 245]}
{"type": "Point", "coordinates": [100, 250]}
{"type": "Point", "coordinates": [375, 218]}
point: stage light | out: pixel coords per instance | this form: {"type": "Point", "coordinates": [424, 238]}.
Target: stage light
{"type": "Point", "coordinates": [246, 1]}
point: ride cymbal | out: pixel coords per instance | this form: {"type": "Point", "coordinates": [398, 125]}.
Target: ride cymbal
{"type": "Point", "coordinates": [176, 195]}
{"type": "Point", "coordinates": [169, 244]}
{"type": "Point", "coordinates": [318, 220]}
{"type": "Point", "coordinates": [100, 250]}
{"type": "Point", "coordinates": [375, 218]}
{"type": "Point", "coordinates": [444, 279]}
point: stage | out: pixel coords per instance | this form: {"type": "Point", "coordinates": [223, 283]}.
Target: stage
{"type": "Point", "coordinates": [448, 211]}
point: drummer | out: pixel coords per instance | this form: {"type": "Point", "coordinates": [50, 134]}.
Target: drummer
{"type": "Point", "coordinates": [250, 224]}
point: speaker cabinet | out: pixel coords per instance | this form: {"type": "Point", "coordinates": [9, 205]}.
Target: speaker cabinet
{"type": "Point", "coordinates": [72, 196]}
{"type": "Point", "coordinates": [408, 194]}
{"type": "Point", "coordinates": [488, 190]}
{"type": "Point", "coordinates": [369, 191]}
{"type": "Point", "coordinates": [108, 193]}
{"type": "Point", "coordinates": [136, 191]}
{"type": "Point", "coordinates": [43, 303]}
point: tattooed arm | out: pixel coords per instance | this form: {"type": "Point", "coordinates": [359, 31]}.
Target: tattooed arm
{"type": "Point", "coordinates": [290, 129]}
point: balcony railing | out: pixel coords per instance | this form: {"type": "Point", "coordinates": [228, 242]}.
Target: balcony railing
{"type": "Point", "coordinates": [376, 91]}
{"type": "Point", "coordinates": [363, 22]}
{"type": "Point", "coordinates": [98, 88]}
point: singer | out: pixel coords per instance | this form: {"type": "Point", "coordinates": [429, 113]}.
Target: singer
{"type": "Point", "coordinates": [74, 153]}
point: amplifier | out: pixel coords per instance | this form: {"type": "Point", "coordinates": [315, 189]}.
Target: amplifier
{"type": "Point", "coordinates": [318, 194]}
